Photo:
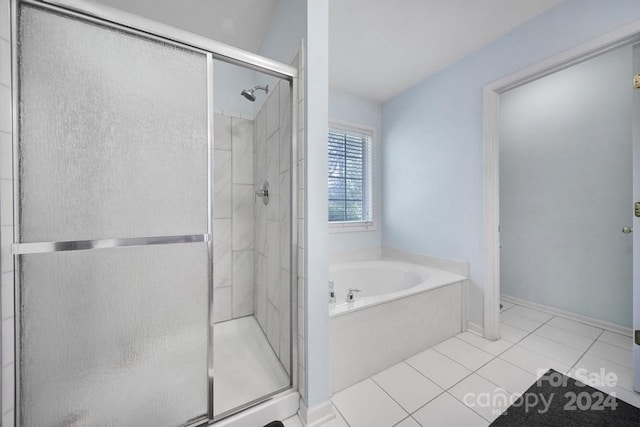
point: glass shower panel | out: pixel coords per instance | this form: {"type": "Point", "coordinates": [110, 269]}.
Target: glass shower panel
{"type": "Point", "coordinates": [114, 337]}
{"type": "Point", "coordinates": [113, 136]}
{"type": "Point", "coordinates": [113, 144]}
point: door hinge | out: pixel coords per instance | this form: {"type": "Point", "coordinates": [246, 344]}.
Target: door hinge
{"type": "Point", "coordinates": [637, 337]}
{"type": "Point", "coordinates": [636, 208]}
{"type": "Point", "coordinates": [636, 81]}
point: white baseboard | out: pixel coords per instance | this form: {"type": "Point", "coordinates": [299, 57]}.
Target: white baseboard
{"type": "Point", "coordinates": [279, 407]}
{"type": "Point", "coordinates": [475, 328]}
{"type": "Point", "coordinates": [569, 315]}
{"type": "Point", "coordinates": [317, 415]}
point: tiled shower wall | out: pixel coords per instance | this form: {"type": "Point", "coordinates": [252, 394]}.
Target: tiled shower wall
{"type": "Point", "coordinates": [6, 216]}
{"type": "Point", "coordinates": [273, 221]}
{"type": "Point", "coordinates": [233, 225]}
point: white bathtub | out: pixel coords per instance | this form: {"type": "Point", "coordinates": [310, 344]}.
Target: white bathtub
{"type": "Point", "coordinates": [403, 309]}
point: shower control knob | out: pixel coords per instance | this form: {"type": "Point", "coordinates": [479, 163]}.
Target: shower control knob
{"type": "Point", "coordinates": [627, 230]}
{"type": "Point", "coordinates": [264, 193]}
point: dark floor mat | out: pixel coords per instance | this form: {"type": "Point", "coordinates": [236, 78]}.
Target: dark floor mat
{"type": "Point", "coordinates": [558, 400]}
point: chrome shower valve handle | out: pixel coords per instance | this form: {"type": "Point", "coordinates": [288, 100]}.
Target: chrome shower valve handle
{"type": "Point", "coordinates": [263, 193]}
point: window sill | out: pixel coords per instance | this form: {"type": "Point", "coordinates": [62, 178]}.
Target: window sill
{"type": "Point", "coordinates": [350, 227]}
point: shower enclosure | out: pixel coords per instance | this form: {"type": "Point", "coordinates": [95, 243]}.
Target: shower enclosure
{"type": "Point", "coordinates": [153, 277]}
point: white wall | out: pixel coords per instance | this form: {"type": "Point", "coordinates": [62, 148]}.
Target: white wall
{"type": "Point", "coordinates": [432, 136]}
{"type": "Point", "coordinates": [350, 108]}
{"type": "Point", "coordinates": [294, 20]}
{"type": "Point", "coordinates": [565, 189]}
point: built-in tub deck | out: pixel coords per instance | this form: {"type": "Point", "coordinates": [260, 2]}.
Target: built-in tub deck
{"type": "Point", "coordinates": [403, 308]}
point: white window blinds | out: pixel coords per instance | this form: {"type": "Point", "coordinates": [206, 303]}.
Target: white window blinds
{"type": "Point", "coordinates": [350, 193]}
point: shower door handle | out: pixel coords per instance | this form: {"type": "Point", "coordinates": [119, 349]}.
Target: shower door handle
{"type": "Point", "coordinates": [627, 230]}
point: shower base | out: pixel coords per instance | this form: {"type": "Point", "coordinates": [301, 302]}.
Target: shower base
{"type": "Point", "coordinates": [245, 366]}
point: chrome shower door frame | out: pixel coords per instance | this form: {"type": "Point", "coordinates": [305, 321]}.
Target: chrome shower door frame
{"type": "Point", "coordinates": [135, 25]}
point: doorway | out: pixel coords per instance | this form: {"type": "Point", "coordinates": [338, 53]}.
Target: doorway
{"type": "Point", "coordinates": [491, 97]}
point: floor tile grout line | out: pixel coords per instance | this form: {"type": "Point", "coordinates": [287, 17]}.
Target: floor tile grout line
{"type": "Point", "coordinates": [533, 351]}
{"type": "Point", "coordinates": [480, 348]}
{"type": "Point", "coordinates": [504, 388]}
{"type": "Point", "coordinates": [387, 393]}
{"type": "Point", "coordinates": [585, 352]}
{"type": "Point", "coordinates": [340, 412]}
{"type": "Point", "coordinates": [600, 358]}
{"type": "Point", "coordinates": [513, 364]}
{"type": "Point", "coordinates": [554, 340]}
{"type": "Point", "coordinates": [406, 418]}
{"type": "Point", "coordinates": [484, 351]}
{"type": "Point", "coordinates": [418, 371]}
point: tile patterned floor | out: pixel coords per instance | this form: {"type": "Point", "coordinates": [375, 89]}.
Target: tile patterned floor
{"type": "Point", "coordinates": [432, 388]}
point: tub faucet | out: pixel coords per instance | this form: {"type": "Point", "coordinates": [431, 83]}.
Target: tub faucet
{"type": "Point", "coordinates": [332, 292]}
{"type": "Point", "coordinates": [350, 294]}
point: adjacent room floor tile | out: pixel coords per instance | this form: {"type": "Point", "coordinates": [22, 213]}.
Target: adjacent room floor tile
{"type": "Point", "coordinates": [519, 322]}
{"type": "Point", "coordinates": [529, 313]}
{"type": "Point", "coordinates": [510, 377]}
{"type": "Point", "coordinates": [533, 362]}
{"type": "Point", "coordinates": [464, 353]}
{"type": "Point", "coordinates": [511, 333]}
{"type": "Point", "coordinates": [590, 366]}
{"type": "Point", "coordinates": [407, 386]}
{"type": "Point", "coordinates": [565, 337]}
{"type": "Point", "coordinates": [632, 398]}
{"type": "Point", "coordinates": [446, 410]}
{"type": "Point", "coordinates": [575, 327]}
{"type": "Point", "coordinates": [482, 396]}
{"type": "Point", "coordinates": [611, 352]}
{"type": "Point", "coordinates": [365, 404]}
{"type": "Point", "coordinates": [438, 368]}
{"type": "Point", "coordinates": [493, 347]}
{"type": "Point", "coordinates": [620, 340]}
{"type": "Point", "coordinates": [560, 352]}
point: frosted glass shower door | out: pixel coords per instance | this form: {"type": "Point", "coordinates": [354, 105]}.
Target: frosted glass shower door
{"type": "Point", "coordinates": [112, 244]}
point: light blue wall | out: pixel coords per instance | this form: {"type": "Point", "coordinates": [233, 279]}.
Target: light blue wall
{"type": "Point", "coordinates": [350, 108]}
{"type": "Point", "coordinates": [432, 136]}
{"type": "Point", "coordinates": [282, 42]}
{"type": "Point", "coordinates": [288, 26]}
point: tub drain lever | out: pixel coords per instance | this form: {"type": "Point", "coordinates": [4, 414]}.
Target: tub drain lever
{"type": "Point", "coordinates": [350, 294]}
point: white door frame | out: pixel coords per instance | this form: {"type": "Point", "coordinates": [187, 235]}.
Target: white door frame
{"type": "Point", "coordinates": [491, 190]}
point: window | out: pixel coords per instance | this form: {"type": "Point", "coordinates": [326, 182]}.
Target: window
{"type": "Point", "coordinates": [350, 189]}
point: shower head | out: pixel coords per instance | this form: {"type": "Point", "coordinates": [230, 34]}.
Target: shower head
{"type": "Point", "coordinates": [249, 93]}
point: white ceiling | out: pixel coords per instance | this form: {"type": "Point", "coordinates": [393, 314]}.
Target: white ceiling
{"type": "Point", "coordinates": [239, 23]}
{"type": "Point", "coordinates": [379, 48]}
